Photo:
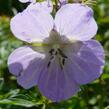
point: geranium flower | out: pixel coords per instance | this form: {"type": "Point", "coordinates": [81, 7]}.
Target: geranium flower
{"type": "Point", "coordinates": [60, 54]}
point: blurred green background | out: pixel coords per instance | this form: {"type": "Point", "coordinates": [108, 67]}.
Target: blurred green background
{"type": "Point", "coordinates": [92, 96]}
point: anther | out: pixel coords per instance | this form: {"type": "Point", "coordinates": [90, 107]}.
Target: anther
{"type": "Point", "coordinates": [48, 65]}
{"type": "Point", "coordinates": [62, 54]}
{"type": "Point", "coordinates": [51, 51]}
{"type": "Point", "coordinates": [56, 53]}
{"type": "Point", "coordinates": [63, 61]}
{"type": "Point", "coordinates": [51, 57]}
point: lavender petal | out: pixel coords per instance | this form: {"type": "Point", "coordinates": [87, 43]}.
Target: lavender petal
{"type": "Point", "coordinates": [55, 84]}
{"type": "Point", "coordinates": [29, 26]}
{"type": "Point", "coordinates": [25, 64]}
{"type": "Point", "coordinates": [76, 22]}
{"type": "Point", "coordinates": [87, 65]}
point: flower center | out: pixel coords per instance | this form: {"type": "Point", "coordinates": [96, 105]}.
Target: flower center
{"type": "Point", "coordinates": [56, 48]}
{"type": "Point", "coordinates": [58, 55]}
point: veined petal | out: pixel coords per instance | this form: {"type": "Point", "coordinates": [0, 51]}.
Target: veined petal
{"type": "Point", "coordinates": [76, 22]}
{"type": "Point", "coordinates": [93, 50]}
{"type": "Point", "coordinates": [55, 84]}
{"type": "Point", "coordinates": [30, 76]}
{"type": "Point", "coordinates": [87, 65]}
{"type": "Point", "coordinates": [32, 25]}
{"type": "Point", "coordinates": [26, 65]}
{"type": "Point", "coordinates": [45, 6]}
{"type": "Point", "coordinates": [63, 2]}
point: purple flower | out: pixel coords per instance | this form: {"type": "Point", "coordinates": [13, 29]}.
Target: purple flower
{"type": "Point", "coordinates": [61, 55]}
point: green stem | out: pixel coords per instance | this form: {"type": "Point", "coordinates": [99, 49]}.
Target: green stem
{"type": "Point", "coordinates": [100, 103]}
{"type": "Point", "coordinates": [56, 5]}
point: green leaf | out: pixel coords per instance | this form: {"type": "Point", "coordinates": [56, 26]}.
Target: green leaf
{"type": "Point", "coordinates": [105, 76]}
{"type": "Point", "coordinates": [1, 83]}
{"type": "Point", "coordinates": [18, 102]}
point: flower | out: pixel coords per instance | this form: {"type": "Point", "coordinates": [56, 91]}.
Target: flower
{"type": "Point", "coordinates": [60, 55]}
{"type": "Point", "coordinates": [25, 1]}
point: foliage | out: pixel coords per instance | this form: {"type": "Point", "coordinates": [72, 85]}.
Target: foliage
{"type": "Point", "coordinates": [12, 96]}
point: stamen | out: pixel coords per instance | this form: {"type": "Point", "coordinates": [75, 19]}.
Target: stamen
{"type": "Point", "coordinates": [51, 51]}
{"type": "Point", "coordinates": [62, 54]}
{"type": "Point", "coordinates": [63, 61]}
{"type": "Point", "coordinates": [51, 58]}
{"type": "Point", "coordinates": [48, 65]}
{"type": "Point", "coordinates": [60, 63]}
{"type": "Point", "coordinates": [56, 53]}
{"type": "Point", "coordinates": [62, 58]}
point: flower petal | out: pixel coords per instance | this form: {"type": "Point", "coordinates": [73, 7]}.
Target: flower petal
{"type": "Point", "coordinates": [76, 22]}
{"type": "Point", "coordinates": [45, 6]}
{"type": "Point", "coordinates": [32, 25]}
{"type": "Point", "coordinates": [55, 84]}
{"type": "Point", "coordinates": [93, 52]}
{"type": "Point", "coordinates": [26, 64]}
{"type": "Point", "coordinates": [25, 1]}
{"type": "Point", "coordinates": [63, 2]}
{"type": "Point", "coordinates": [88, 64]}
